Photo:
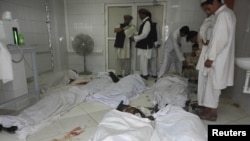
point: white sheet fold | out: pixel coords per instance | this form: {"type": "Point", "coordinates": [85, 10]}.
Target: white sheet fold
{"type": "Point", "coordinates": [171, 89]}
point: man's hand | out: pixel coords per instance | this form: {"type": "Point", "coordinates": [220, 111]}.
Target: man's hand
{"type": "Point", "coordinates": [158, 46]}
{"type": "Point", "coordinates": [205, 42]}
{"type": "Point", "coordinates": [208, 63]}
{"type": "Point", "coordinates": [132, 39]}
{"type": "Point", "coordinates": [184, 63]}
{"type": "Point", "coordinates": [117, 29]}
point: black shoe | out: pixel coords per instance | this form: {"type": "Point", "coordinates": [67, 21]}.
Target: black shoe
{"type": "Point", "coordinates": [144, 77]}
{"type": "Point", "coordinates": [120, 76]}
{"type": "Point", "coordinates": [154, 76]}
{"type": "Point", "coordinates": [11, 130]}
{"type": "Point", "coordinates": [113, 77]}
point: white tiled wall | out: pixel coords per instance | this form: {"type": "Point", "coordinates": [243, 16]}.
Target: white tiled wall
{"type": "Point", "coordinates": [242, 49]}
{"type": "Point", "coordinates": [88, 16]}
{"type": "Point", "coordinates": [31, 15]}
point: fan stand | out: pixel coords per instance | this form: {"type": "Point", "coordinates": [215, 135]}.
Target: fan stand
{"type": "Point", "coordinates": [85, 72]}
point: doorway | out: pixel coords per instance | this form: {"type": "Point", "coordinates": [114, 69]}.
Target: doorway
{"type": "Point", "coordinates": [114, 16]}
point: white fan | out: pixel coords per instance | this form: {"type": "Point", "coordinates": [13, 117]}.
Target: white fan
{"type": "Point", "coordinates": [83, 45]}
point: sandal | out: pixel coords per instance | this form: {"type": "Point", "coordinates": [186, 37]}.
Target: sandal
{"type": "Point", "coordinates": [198, 109]}
{"type": "Point", "coordinates": [206, 116]}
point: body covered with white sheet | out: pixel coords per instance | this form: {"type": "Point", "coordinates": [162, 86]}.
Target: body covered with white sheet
{"type": "Point", "coordinates": [126, 89]}
{"type": "Point", "coordinates": [170, 89]}
{"type": "Point", "coordinates": [122, 126]}
{"type": "Point", "coordinates": [172, 123]}
{"type": "Point", "coordinates": [57, 102]}
{"type": "Point", "coordinates": [44, 111]}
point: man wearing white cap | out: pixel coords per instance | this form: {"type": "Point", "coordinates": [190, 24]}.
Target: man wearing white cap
{"type": "Point", "coordinates": [219, 61]}
{"type": "Point", "coordinates": [122, 44]}
{"type": "Point", "coordinates": [144, 42]}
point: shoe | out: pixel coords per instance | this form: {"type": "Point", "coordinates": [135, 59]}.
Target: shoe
{"type": "Point", "coordinates": [207, 117]}
{"type": "Point", "coordinates": [11, 129]}
{"type": "Point", "coordinates": [144, 77]}
{"type": "Point", "coordinates": [120, 76]}
{"type": "Point", "coordinates": [113, 77]}
{"type": "Point", "coordinates": [154, 76]}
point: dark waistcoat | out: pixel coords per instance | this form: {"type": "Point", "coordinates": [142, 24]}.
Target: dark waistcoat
{"type": "Point", "coordinates": [120, 37]}
{"type": "Point", "coordinates": [148, 41]}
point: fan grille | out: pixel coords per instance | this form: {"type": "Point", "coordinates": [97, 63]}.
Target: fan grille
{"type": "Point", "coordinates": [83, 44]}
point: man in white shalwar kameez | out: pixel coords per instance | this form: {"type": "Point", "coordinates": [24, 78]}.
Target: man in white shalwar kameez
{"type": "Point", "coordinates": [144, 43]}
{"type": "Point", "coordinates": [153, 69]}
{"type": "Point", "coordinates": [173, 57]}
{"type": "Point", "coordinates": [123, 45]}
{"type": "Point", "coordinates": [219, 60]}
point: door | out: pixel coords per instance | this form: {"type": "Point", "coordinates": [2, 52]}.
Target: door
{"type": "Point", "coordinates": [114, 16]}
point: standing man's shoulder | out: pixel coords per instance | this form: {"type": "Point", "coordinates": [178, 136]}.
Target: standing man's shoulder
{"type": "Point", "coordinates": [225, 12]}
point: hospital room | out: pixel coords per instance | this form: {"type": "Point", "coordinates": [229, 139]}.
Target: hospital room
{"type": "Point", "coordinates": [124, 70]}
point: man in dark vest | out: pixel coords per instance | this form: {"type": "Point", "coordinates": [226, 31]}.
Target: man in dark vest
{"type": "Point", "coordinates": [122, 43]}
{"type": "Point", "coordinates": [156, 38]}
{"type": "Point", "coordinates": [144, 43]}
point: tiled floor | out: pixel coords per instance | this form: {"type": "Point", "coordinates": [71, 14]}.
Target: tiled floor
{"type": "Point", "coordinates": [88, 115]}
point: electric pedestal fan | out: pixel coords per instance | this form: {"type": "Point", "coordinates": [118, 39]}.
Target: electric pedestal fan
{"type": "Point", "coordinates": [83, 45]}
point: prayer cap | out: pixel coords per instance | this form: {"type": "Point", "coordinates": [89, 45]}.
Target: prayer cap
{"type": "Point", "coordinates": [203, 1]}
{"type": "Point", "coordinates": [128, 17]}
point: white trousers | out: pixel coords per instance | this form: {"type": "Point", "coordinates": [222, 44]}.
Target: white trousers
{"type": "Point", "coordinates": [207, 95]}
{"type": "Point", "coordinates": [152, 67]}
{"type": "Point", "coordinates": [145, 55]}
{"type": "Point", "coordinates": [170, 64]}
{"type": "Point", "coordinates": [123, 66]}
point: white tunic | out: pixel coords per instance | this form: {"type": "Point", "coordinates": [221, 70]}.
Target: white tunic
{"type": "Point", "coordinates": [206, 28]}
{"type": "Point", "coordinates": [205, 35]}
{"type": "Point", "coordinates": [221, 48]}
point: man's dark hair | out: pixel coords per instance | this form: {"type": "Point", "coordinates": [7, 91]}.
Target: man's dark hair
{"type": "Point", "coordinates": [143, 11]}
{"type": "Point", "coordinates": [210, 2]}
{"type": "Point", "coordinates": [149, 15]}
{"type": "Point", "coordinates": [184, 30]}
{"type": "Point", "coordinates": [195, 45]}
{"type": "Point", "coordinates": [191, 35]}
